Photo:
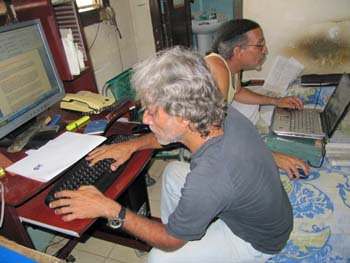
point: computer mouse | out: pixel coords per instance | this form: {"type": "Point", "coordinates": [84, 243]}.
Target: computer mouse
{"type": "Point", "coordinates": [302, 174]}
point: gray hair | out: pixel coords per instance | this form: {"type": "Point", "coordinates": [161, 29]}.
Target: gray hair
{"type": "Point", "coordinates": [180, 82]}
{"type": "Point", "coordinates": [231, 34]}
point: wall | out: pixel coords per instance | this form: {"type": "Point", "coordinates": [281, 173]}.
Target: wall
{"type": "Point", "coordinates": [111, 55]}
{"type": "Point", "coordinates": [315, 32]}
{"type": "Point", "coordinates": [221, 6]}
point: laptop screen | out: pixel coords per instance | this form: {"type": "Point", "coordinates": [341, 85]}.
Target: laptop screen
{"type": "Point", "coordinates": [337, 104]}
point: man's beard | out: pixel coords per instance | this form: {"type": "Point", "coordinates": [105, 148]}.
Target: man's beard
{"type": "Point", "coordinates": [169, 139]}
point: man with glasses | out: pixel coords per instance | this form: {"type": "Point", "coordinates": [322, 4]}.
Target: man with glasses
{"type": "Point", "coordinates": [220, 207]}
{"type": "Point", "coordinates": [240, 45]}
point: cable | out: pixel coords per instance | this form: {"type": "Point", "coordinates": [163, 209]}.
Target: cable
{"type": "Point", "coordinates": [93, 42]}
{"type": "Point", "coordinates": [111, 17]}
{"type": "Point", "coordinates": [2, 189]}
{"type": "Point", "coordinates": [53, 243]}
{"type": "Point", "coordinates": [322, 157]}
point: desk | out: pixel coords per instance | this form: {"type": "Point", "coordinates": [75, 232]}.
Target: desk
{"type": "Point", "coordinates": [25, 197]}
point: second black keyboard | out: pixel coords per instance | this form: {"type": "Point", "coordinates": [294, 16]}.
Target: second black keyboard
{"type": "Point", "coordinates": [99, 175]}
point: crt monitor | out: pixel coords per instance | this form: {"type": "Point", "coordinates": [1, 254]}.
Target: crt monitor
{"type": "Point", "coordinates": [29, 82]}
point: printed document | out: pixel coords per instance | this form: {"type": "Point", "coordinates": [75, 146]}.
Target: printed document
{"type": "Point", "coordinates": [282, 73]}
{"type": "Point", "coordinates": [56, 156]}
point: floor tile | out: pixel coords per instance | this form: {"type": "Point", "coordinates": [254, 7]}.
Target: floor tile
{"type": "Point", "coordinates": [127, 255]}
{"type": "Point", "coordinates": [155, 208]}
{"type": "Point", "coordinates": [110, 260]}
{"type": "Point", "coordinates": [85, 257]}
{"type": "Point", "coordinates": [96, 246]}
{"type": "Point", "coordinates": [155, 190]}
{"type": "Point", "coordinates": [55, 245]}
{"type": "Point", "coordinates": [157, 167]}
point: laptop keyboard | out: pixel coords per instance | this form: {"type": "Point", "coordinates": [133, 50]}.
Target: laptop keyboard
{"type": "Point", "coordinates": [303, 121]}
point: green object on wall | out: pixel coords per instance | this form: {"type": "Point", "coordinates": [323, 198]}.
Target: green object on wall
{"type": "Point", "coordinates": [120, 86]}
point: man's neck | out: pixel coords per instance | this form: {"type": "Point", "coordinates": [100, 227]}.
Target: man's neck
{"type": "Point", "coordinates": [234, 65]}
{"type": "Point", "coordinates": [194, 140]}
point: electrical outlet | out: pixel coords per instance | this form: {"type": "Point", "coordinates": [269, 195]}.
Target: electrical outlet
{"type": "Point", "coordinates": [107, 14]}
{"type": "Point", "coordinates": [103, 15]}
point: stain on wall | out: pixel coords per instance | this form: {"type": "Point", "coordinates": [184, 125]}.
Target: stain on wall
{"type": "Point", "coordinates": [322, 47]}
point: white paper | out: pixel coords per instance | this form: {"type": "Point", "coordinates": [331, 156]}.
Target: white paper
{"type": "Point", "coordinates": [266, 112]}
{"type": "Point", "coordinates": [70, 50]}
{"type": "Point", "coordinates": [282, 73]}
{"type": "Point", "coordinates": [250, 111]}
{"type": "Point", "coordinates": [56, 156]}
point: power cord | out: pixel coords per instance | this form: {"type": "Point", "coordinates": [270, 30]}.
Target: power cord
{"type": "Point", "coordinates": [110, 15]}
{"type": "Point", "coordinates": [96, 34]}
{"type": "Point", "coordinates": [2, 189]}
{"type": "Point", "coordinates": [322, 157]}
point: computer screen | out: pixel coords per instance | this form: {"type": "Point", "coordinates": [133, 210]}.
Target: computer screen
{"type": "Point", "coordinates": [29, 82]}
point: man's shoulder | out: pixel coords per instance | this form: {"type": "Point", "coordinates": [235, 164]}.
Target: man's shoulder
{"type": "Point", "coordinates": [234, 113]}
{"type": "Point", "coordinates": [215, 59]}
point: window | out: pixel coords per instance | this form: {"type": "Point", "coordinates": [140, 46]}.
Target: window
{"type": "Point", "coordinates": [88, 5]}
{"type": "Point", "coordinates": [89, 10]}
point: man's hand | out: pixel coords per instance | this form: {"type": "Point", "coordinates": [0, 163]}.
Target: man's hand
{"type": "Point", "coordinates": [120, 152]}
{"type": "Point", "coordinates": [290, 164]}
{"type": "Point", "coordinates": [87, 202]}
{"type": "Point", "coordinates": [289, 102]}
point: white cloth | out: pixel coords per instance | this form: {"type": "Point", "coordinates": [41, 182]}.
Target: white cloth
{"type": "Point", "coordinates": [250, 111]}
{"type": "Point", "coordinates": [219, 244]}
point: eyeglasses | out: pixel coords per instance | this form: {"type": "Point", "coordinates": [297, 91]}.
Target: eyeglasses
{"type": "Point", "coordinates": [259, 46]}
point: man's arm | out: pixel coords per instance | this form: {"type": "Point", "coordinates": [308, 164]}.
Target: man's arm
{"type": "Point", "coordinates": [121, 152]}
{"type": "Point", "coordinates": [88, 202]}
{"type": "Point", "coordinates": [247, 96]}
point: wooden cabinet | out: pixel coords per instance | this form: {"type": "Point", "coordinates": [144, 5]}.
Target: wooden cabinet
{"type": "Point", "coordinates": [53, 18]}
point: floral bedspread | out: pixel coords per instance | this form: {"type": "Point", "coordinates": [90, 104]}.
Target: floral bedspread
{"type": "Point", "coordinates": [321, 204]}
{"type": "Point", "coordinates": [321, 208]}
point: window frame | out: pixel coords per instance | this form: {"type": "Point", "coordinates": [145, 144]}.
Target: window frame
{"type": "Point", "coordinates": [92, 16]}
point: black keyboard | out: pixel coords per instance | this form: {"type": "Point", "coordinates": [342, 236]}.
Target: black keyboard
{"type": "Point", "coordinates": [99, 175]}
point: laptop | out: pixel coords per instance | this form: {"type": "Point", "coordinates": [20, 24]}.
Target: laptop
{"type": "Point", "coordinates": [311, 123]}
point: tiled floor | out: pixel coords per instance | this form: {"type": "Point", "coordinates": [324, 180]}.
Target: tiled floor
{"type": "Point", "coordinates": [99, 251]}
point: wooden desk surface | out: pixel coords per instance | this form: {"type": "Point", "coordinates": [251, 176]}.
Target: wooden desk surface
{"type": "Point", "coordinates": [36, 212]}
{"type": "Point", "coordinates": [28, 195]}
{"type": "Point", "coordinates": [19, 189]}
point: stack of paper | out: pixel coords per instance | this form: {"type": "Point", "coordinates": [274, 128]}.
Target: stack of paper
{"type": "Point", "coordinates": [73, 52]}
{"type": "Point", "coordinates": [338, 147]}
{"type": "Point", "coordinates": [55, 156]}
{"type": "Point", "coordinates": [282, 73]}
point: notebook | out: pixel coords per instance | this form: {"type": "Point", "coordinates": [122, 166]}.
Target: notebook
{"type": "Point", "coordinates": [312, 123]}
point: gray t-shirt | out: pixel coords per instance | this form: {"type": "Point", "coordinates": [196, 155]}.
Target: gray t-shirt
{"type": "Point", "coordinates": [234, 177]}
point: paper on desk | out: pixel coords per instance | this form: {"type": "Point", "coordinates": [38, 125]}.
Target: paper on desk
{"type": "Point", "coordinates": [283, 71]}
{"type": "Point", "coordinates": [56, 156]}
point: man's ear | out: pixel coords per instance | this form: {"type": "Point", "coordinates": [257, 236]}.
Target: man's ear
{"type": "Point", "coordinates": [184, 123]}
{"type": "Point", "coordinates": [236, 51]}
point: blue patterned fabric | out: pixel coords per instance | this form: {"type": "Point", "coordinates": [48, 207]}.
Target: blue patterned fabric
{"type": "Point", "coordinates": [321, 204]}
{"type": "Point", "coordinates": [321, 208]}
